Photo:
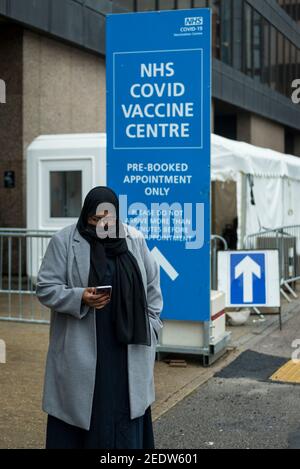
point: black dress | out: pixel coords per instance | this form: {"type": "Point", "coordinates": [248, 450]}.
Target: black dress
{"type": "Point", "coordinates": [111, 426]}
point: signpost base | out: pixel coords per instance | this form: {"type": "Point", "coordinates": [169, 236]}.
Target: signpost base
{"type": "Point", "coordinates": [207, 355]}
{"type": "Point", "coordinates": [207, 340]}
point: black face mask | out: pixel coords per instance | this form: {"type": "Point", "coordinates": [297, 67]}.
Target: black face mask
{"type": "Point", "coordinates": [92, 230]}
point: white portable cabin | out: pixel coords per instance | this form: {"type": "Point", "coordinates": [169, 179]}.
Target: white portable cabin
{"type": "Point", "coordinates": [61, 169]}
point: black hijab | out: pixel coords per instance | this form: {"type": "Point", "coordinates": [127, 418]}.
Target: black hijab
{"type": "Point", "coordinates": [128, 300]}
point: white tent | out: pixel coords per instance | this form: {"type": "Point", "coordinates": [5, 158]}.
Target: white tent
{"type": "Point", "coordinates": [273, 177]}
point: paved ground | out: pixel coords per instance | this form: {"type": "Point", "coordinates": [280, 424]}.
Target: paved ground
{"type": "Point", "coordinates": [240, 408]}
{"type": "Point", "coordinates": [22, 423]}
{"type": "Point", "coordinates": [178, 390]}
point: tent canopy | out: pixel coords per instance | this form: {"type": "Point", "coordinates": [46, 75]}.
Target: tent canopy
{"type": "Point", "coordinates": [230, 157]}
{"type": "Point", "coordinates": [269, 200]}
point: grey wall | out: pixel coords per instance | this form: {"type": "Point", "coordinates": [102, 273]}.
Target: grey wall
{"type": "Point", "coordinates": [12, 202]}
{"type": "Point", "coordinates": [79, 21]}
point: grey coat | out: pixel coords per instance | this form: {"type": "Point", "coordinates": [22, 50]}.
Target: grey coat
{"type": "Point", "coordinates": [71, 359]}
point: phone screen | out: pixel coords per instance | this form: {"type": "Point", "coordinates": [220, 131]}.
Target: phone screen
{"type": "Point", "coordinates": [104, 289]}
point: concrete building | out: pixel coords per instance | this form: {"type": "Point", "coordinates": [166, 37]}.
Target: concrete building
{"type": "Point", "coordinates": [52, 59]}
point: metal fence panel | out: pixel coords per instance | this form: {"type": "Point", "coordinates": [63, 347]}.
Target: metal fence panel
{"type": "Point", "coordinates": [217, 244]}
{"type": "Point", "coordinates": [287, 240]}
{"type": "Point", "coordinates": [21, 253]}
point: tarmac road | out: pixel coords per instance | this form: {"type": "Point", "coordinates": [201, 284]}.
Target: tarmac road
{"type": "Point", "coordinates": [240, 407]}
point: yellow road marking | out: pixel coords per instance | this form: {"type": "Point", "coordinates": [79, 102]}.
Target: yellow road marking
{"type": "Point", "coordinates": [288, 373]}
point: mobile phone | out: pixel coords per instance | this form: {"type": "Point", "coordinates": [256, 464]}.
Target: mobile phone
{"type": "Point", "coordinates": [104, 289]}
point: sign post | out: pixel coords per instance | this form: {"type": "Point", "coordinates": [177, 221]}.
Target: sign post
{"type": "Point", "coordinates": [158, 147]}
{"type": "Point", "coordinates": [250, 278]}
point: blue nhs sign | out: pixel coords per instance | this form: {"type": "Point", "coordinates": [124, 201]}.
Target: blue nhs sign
{"type": "Point", "coordinates": [158, 68]}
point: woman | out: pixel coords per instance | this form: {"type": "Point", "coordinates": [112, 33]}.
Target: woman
{"type": "Point", "coordinates": [99, 383]}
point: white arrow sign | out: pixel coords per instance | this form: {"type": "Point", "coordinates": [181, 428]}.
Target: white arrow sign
{"type": "Point", "coordinates": [165, 264]}
{"type": "Point", "coordinates": [248, 268]}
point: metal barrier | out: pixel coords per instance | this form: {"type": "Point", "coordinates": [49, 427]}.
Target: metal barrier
{"type": "Point", "coordinates": [217, 244]}
{"type": "Point", "coordinates": [21, 253]}
{"type": "Point", "coordinates": [287, 240]}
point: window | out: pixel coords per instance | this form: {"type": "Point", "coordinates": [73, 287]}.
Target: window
{"type": "Point", "coordinates": [183, 4]}
{"type": "Point", "coordinates": [149, 5]}
{"type": "Point", "coordinates": [200, 3]}
{"type": "Point", "coordinates": [257, 45]}
{"type": "Point", "coordinates": [274, 58]}
{"type": "Point", "coordinates": [226, 31]}
{"type": "Point", "coordinates": [65, 194]}
{"type": "Point", "coordinates": [267, 55]}
{"type": "Point", "coordinates": [293, 67]}
{"type": "Point", "coordinates": [216, 29]}
{"type": "Point", "coordinates": [123, 5]}
{"type": "Point", "coordinates": [291, 7]}
{"type": "Point", "coordinates": [146, 5]}
{"type": "Point", "coordinates": [266, 51]}
{"type": "Point", "coordinates": [247, 39]}
{"type": "Point", "coordinates": [287, 72]}
{"type": "Point", "coordinates": [222, 30]}
{"type": "Point", "coordinates": [166, 4]}
{"type": "Point", "coordinates": [281, 63]}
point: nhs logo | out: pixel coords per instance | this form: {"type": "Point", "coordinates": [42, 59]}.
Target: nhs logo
{"type": "Point", "coordinates": [194, 21]}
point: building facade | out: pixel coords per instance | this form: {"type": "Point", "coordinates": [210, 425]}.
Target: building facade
{"type": "Point", "coordinates": [52, 60]}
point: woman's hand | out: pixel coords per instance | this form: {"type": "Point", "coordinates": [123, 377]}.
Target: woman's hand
{"type": "Point", "coordinates": [95, 301]}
